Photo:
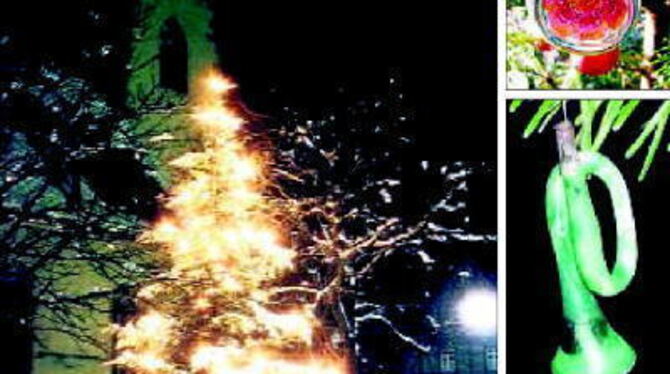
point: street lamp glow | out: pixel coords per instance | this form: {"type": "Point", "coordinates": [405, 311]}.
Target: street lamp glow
{"type": "Point", "coordinates": [477, 312]}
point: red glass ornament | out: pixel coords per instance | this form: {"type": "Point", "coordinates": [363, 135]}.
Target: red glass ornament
{"type": "Point", "coordinates": [598, 64]}
{"type": "Point", "coordinates": [586, 26]}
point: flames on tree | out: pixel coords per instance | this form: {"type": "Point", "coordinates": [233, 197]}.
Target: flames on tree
{"type": "Point", "coordinates": [215, 310]}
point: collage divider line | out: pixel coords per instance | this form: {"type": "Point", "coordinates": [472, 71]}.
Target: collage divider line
{"type": "Point", "coordinates": [501, 107]}
{"type": "Point", "coordinates": [584, 94]}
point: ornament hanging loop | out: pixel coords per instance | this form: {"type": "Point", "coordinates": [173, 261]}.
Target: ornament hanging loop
{"type": "Point", "coordinates": [565, 139]}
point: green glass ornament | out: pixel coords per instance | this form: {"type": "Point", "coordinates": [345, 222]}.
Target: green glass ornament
{"type": "Point", "coordinates": [583, 271]}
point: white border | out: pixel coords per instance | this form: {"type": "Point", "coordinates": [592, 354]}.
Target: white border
{"type": "Point", "coordinates": [582, 94]}
{"type": "Point", "coordinates": [502, 188]}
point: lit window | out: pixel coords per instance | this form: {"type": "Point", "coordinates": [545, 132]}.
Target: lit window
{"type": "Point", "coordinates": [491, 359]}
{"type": "Point", "coordinates": [448, 361]}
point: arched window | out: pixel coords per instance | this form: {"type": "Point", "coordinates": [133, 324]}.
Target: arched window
{"type": "Point", "coordinates": [173, 57]}
{"type": "Point", "coordinates": [173, 47]}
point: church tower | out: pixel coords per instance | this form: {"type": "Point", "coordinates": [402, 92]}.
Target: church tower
{"type": "Point", "coordinates": [171, 44]}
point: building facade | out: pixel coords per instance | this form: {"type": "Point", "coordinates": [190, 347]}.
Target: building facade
{"type": "Point", "coordinates": [457, 349]}
{"type": "Point", "coordinates": [171, 43]}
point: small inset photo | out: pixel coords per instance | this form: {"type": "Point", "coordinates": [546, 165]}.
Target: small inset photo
{"type": "Point", "coordinates": [588, 44]}
{"type": "Point", "coordinates": [587, 193]}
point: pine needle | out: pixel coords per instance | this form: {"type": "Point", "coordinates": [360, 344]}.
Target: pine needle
{"type": "Point", "coordinates": [611, 113]}
{"type": "Point", "coordinates": [589, 108]}
{"type": "Point", "coordinates": [624, 113]}
{"type": "Point", "coordinates": [547, 109]}
{"type": "Point", "coordinates": [514, 105]}
{"type": "Point", "coordinates": [655, 125]}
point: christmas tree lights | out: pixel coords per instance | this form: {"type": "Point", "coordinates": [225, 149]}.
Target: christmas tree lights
{"type": "Point", "coordinates": [214, 310]}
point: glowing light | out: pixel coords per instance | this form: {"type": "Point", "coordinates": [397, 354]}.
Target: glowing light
{"type": "Point", "coordinates": [296, 324]}
{"type": "Point", "coordinates": [238, 361]}
{"type": "Point", "coordinates": [223, 237]}
{"type": "Point", "coordinates": [218, 117]}
{"type": "Point", "coordinates": [477, 311]}
{"type": "Point", "coordinates": [219, 83]}
{"type": "Point", "coordinates": [245, 169]}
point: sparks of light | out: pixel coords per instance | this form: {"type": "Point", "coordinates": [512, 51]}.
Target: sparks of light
{"type": "Point", "coordinates": [231, 360]}
{"type": "Point", "coordinates": [226, 246]}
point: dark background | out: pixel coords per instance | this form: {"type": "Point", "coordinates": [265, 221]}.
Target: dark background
{"type": "Point", "coordinates": [448, 67]}
{"type": "Point", "coordinates": [303, 53]}
{"type": "Point", "coordinates": [533, 296]}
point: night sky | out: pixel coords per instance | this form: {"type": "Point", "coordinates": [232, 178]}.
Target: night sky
{"type": "Point", "coordinates": [448, 67]}
{"type": "Point", "coordinates": [304, 54]}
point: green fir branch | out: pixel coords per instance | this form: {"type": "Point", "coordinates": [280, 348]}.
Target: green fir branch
{"type": "Point", "coordinates": [624, 114]}
{"type": "Point", "coordinates": [589, 108]}
{"type": "Point", "coordinates": [655, 125]}
{"type": "Point", "coordinates": [544, 114]}
{"type": "Point", "coordinates": [596, 122]}
{"type": "Point", "coordinates": [605, 128]}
